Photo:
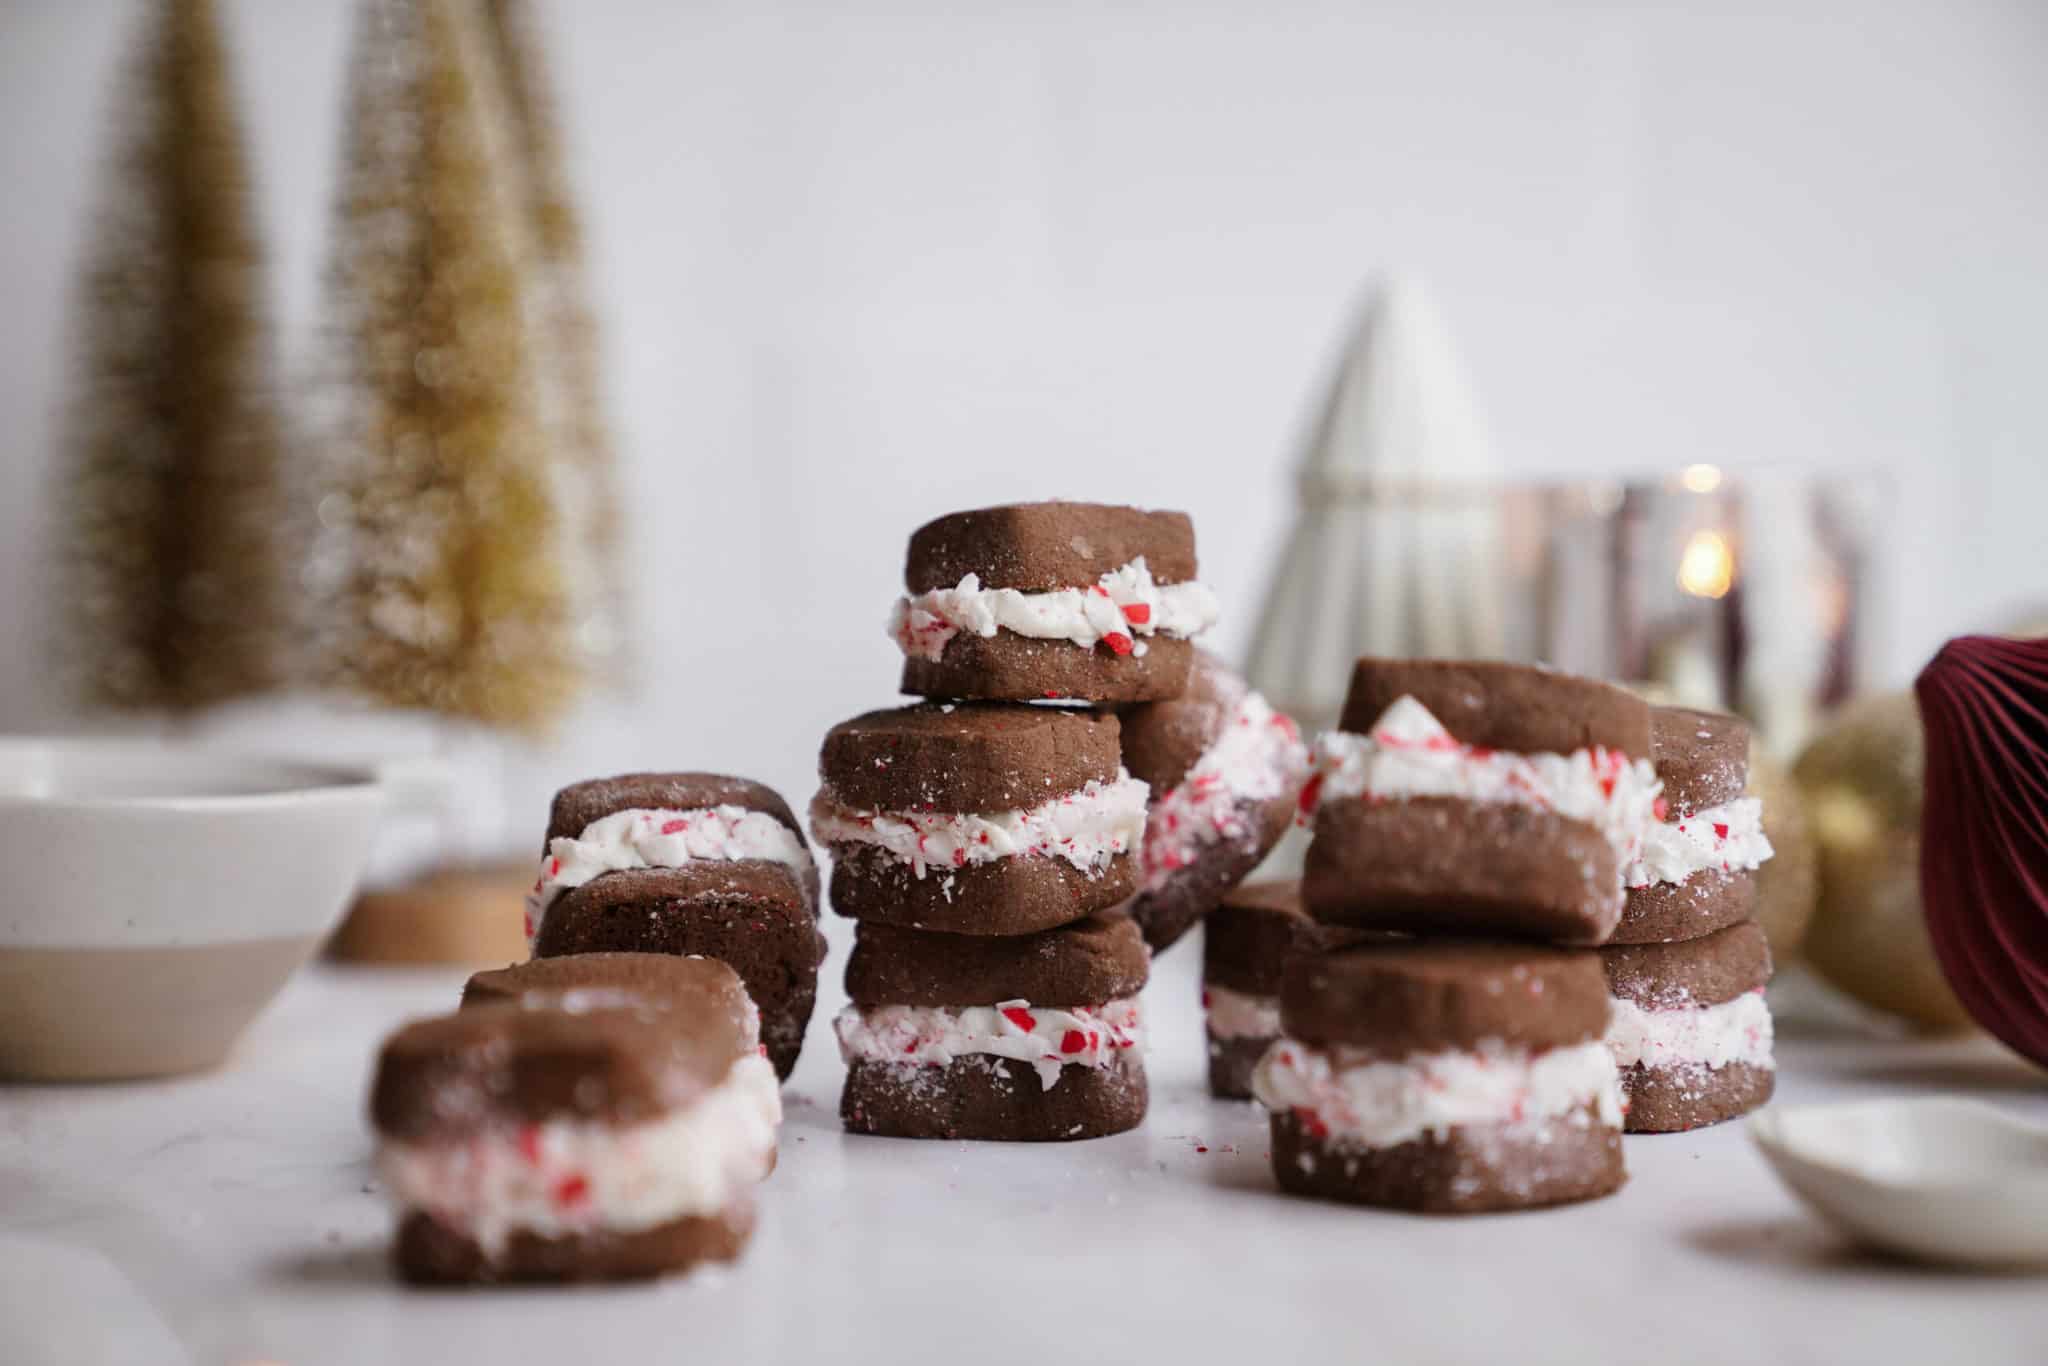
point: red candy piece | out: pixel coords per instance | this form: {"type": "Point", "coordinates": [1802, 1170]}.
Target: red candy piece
{"type": "Point", "coordinates": [1138, 613]}
{"type": "Point", "coordinates": [1984, 831]}
{"type": "Point", "coordinates": [1020, 1017]}
{"type": "Point", "coordinates": [1720, 830]}
{"type": "Point", "coordinates": [1310, 792]}
{"type": "Point", "coordinates": [529, 1143]}
{"type": "Point", "coordinates": [675, 827]}
{"type": "Point", "coordinates": [1661, 809]}
{"type": "Point", "coordinates": [1118, 641]}
{"type": "Point", "coordinates": [1073, 1041]}
{"type": "Point", "coordinates": [572, 1190]}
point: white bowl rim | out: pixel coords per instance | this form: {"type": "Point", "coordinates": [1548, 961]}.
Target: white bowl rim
{"type": "Point", "coordinates": [1767, 1129]}
{"type": "Point", "coordinates": [313, 780]}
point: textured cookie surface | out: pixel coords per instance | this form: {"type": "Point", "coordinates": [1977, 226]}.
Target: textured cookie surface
{"type": "Point", "coordinates": [1040, 547]}
{"type": "Point", "coordinates": [752, 916]}
{"type": "Point", "coordinates": [1022, 669]}
{"type": "Point", "coordinates": [1010, 896]}
{"type": "Point", "coordinates": [1461, 1170]}
{"type": "Point", "coordinates": [1249, 937]}
{"type": "Point", "coordinates": [656, 981]}
{"type": "Point", "coordinates": [980, 757]}
{"type": "Point", "coordinates": [1099, 959]}
{"type": "Point", "coordinates": [1706, 971]}
{"type": "Point", "coordinates": [1673, 1100]}
{"type": "Point", "coordinates": [453, 1076]}
{"type": "Point", "coordinates": [1444, 865]}
{"type": "Point", "coordinates": [431, 1253]}
{"type": "Point", "coordinates": [1705, 902]}
{"type": "Point", "coordinates": [1402, 997]}
{"type": "Point", "coordinates": [1502, 706]}
{"type": "Point", "coordinates": [1702, 757]}
{"type": "Point", "coordinates": [982, 1097]}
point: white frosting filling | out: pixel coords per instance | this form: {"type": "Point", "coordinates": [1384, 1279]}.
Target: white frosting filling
{"type": "Point", "coordinates": [1257, 757]}
{"type": "Point", "coordinates": [1728, 837]}
{"type": "Point", "coordinates": [1119, 610]}
{"type": "Point", "coordinates": [1087, 827]}
{"type": "Point", "coordinates": [1238, 1015]}
{"type": "Point", "coordinates": [1408, 753]}
{"type": "Point", "coordinates": [1737, 1031]}
{"type": "Point", "coordinates": [1050, 1038]}
{"type": "Point", "coordinates": [574, 1176]}
{"type": "Point", "coordinates": [660, 838]}
{"type": "Point", "coordinates": [1350, 1097]}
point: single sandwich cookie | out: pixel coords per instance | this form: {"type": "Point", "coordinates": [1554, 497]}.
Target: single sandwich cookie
{"type": "Point", "coordinates": [687, 821]}
{"type": "Point", "coordinates": [1444, 1076]}
{"type": "Point", "coordinates": [1478, 798]}
{"type": "Point", "coordinates": [1697, 870]}
{"type": "Point", "coordinates": [1036, 1039]}
{"type": "Point", "coordinates": [1690, 1031]}
{"type": "Point", "coordinates": [549, 1145]}
{"type": "Point", "coordinates": [1225, 770]}
{"type": "Point", "coordinates": [1038, 600]}
{"type": "Point", "coordinates": [749, 915]}
{"type": "Point", "coordinates": [1247, 942]}
{"type": "Point", "coordinates": [981, 818]}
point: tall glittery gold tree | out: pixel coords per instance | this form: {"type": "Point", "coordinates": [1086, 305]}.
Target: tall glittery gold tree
{"type": "Point", "coordinates": [570, 375]}
{"type": "Point", "coordinates": [445, 538]}
{"type": "Point", "coordinates": [171, 594]}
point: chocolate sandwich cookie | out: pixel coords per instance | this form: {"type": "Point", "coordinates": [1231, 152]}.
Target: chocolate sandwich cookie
{"type": "Point", "coordinates": [1445, 1076]}
{"type": "Point", "coordinates": [1225, 770]}
{"type": "Point", "coordinates": [1035, 1039]}
{"type": "Point", "coordinates": [547, 1144]}
{"type": "Point", "coordinates": [979, 818]}
{"type": "Point", "coordinates": [1037, 600]}
{"type": "Point", "coordinates": [1697, 870]}
{"type": "Point", "coordinates": [1247, 942]}
{"type": "Point", "coordinates": [687, 863]}
{"type": "Point", "coordinates": [1690, 1031]}
{"type": "Point", "coordinates": [1478, 798]}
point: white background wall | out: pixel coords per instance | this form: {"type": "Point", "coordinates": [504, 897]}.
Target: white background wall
{"type": "Point", "coordinates": [862, 264]}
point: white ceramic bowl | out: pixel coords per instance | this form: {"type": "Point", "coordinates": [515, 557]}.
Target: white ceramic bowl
{"type": "Point", "coordinates": [155, 896]}
{"type": "Point", "coordinates": [1942, 1180]}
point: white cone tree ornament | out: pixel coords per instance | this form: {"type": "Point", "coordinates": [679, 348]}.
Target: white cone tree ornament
{"type": "Point", "coordinates": [1396, 549]}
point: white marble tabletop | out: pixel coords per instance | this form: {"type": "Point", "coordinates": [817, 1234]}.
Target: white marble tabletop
{"type": "Point", "coordinates": [231, 1218]}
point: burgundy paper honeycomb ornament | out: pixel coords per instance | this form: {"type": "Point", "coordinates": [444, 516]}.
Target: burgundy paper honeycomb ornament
{"type": "Point", "coordinates": [1984, 831]}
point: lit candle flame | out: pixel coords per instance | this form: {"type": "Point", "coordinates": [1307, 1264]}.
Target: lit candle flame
{"type": "Point", "coordinates": [1707, 568]}
{"type": "Point", "coordinates": [1701, 479]}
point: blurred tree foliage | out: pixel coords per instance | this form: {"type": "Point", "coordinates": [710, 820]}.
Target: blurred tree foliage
{"type": "Point", "coordinates": [171, 593]}
{"type": "Point", "coordinates": [445, 534]}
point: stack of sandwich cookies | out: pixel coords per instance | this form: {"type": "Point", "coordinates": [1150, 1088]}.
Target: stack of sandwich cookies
{"type": "Point", "coordinates": [1478, 798]}
{"type": "Point", "coordinates": [1029, 1038]}
{"type": "Point", "coordinates": [1445, 1076]}
{"type": "Point", "coordinates": [1225, 770]}
{"type": "Point", "coordinates": [687, 863]}
{"type": "Point", "coordinates": [1479, 807]}
{"type": "Point", "coordinates": [527, 1141]}
{"type": "Point", "coordinates": [978, 845]}
{"type": "Point", "coordinates": [1051, 600]}
{"type": "Point", "coordinates": [1690, 1030]}
{"type": "Point", "coordinates": [1687, 965]}
{"type": "Point", "coordinates": [1247, 943]}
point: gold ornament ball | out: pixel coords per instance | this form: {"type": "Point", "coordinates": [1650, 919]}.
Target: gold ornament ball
{"type": "Point", "coordinates": [1861, 778]}
{"type": "Point", "coordinates": [1788, 885]}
